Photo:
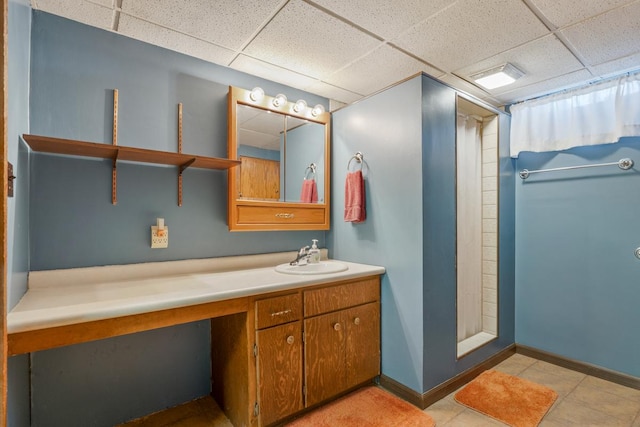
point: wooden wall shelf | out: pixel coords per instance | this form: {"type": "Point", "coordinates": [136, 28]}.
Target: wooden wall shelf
{"type": "Point", "coordinates": [116, 152]}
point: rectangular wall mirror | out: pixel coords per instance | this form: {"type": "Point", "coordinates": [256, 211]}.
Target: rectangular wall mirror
{"type": "Point", "coordinates": [283, 180]}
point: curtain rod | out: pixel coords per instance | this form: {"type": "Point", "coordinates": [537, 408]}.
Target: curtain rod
{"type": "Point", "coordinates": [624, 164]}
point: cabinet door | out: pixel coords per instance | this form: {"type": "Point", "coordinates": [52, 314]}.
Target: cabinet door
{"type": "Point", "coordinates": [324, 357]}
{"type": "Point", "coordinates": [362, 352]}
{"type": "Point", "coordinates": [279, 371]}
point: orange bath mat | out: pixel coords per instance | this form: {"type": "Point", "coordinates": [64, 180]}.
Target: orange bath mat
{"type": "Point", "coordinates": [512, 400]}
{"type": "Point", "coordinates": [367, 407]}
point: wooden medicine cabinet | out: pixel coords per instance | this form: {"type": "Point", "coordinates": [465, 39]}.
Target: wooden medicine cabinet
{"type": "Point", "coordinates": [280, 150]}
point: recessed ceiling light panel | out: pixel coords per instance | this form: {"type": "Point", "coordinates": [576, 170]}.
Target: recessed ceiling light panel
{"type": "Point", "coordinates": [497, 77]}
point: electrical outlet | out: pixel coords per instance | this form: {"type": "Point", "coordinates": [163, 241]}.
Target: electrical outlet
{"type": "Point", "coordinates": [159, 241]}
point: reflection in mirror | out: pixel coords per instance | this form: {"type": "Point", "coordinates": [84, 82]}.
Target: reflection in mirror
{"type": "Point", "coordinates": [276, 152]}
{"type": "Point", "coordinates": [260, 141]}
{"type": "Point", "coordinates": [304, 147]}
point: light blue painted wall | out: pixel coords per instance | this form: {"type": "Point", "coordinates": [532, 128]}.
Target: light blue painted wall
{"type": "Point", "coordinates": [305, 145]}
{"type": "Point", "coordinates": [73, 223]}
{"type": "Point", "coordinates": [386, 128]}
{"type": "Point", "coordinates": [407, 135]}
{"type": "Point", "coordinates": [260, 153]}
{"type": "Point", "coordinates": [68, 392]}
{"type": "Point", "coordinates": [577, 278]}
{"type": "Point", "coordinates": [18, 207]}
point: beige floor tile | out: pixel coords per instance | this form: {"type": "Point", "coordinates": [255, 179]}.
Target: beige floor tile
{"type": "Point", "coordinates": [471, 418]}
{"type": "Point", "coordinates": [552, 422]}
{"type": "Point", "coordinates": [581, 414]}
{"type": "Point", "coordinates": [610, 404]}
{"type": "Point", "coordinates": [561, 380]}
{"type": "Point", "coordinates": [613, 388]}
{"type": "Point", "coordinates": [515, 364]}
{"type": "Point", "coordinates": [637, 422]}
{"type": "Point", "coordinates": [444, 410]}
{"type": "Point", "coordinates": [558, 370]}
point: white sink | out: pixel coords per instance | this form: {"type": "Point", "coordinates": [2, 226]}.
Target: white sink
{"type": "Point", "coordinates": [323, 267]}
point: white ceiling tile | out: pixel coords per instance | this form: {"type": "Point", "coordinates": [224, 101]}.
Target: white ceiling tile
{"type": "Point", "coordinates": [105, 3]}
{"type": "Point", "coordinates": [271, 72]}
{"type": "Point", "coordinates": [79, 10]}
{"type": "Point", "coordinates": [470, 31]}
{"type": "Point", "coordinates": [571, 80]}
{"type": "Point", "coordinates": [606, 37]}
{"type": "Point", "coordinates": [317, 48]}
{"type": "Point", "coordinates": [380, 68]}
{"type": "Point", "coordinates": [228, 23]}
{"type": "Point", "coordinates": [332, 92]}
{"type": "Point", "coordinates": [540, 59]}
{"type": "Point", "coordinates": [384, 18]}
{"type": "Point", "coordinates": [160, 36]}
{"type": "Point", "coordinates": [618, 66]}
{"type": "Point", "coordinates": [565, 12]}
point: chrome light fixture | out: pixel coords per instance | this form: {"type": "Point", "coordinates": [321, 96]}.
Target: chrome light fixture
{"type": "Point", "coordinates": [496, 77]}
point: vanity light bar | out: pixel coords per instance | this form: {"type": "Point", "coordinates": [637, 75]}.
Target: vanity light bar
{"type": "Point", "coordinates": [300, 107]}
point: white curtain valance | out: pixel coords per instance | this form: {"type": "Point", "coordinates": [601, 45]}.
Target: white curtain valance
{"type": "Point", "coordinates": [598, 114]}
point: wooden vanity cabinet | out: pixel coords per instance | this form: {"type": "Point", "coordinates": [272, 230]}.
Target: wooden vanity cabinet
{"type": "Point", "coordinates": [278, 352]}
{"type": "Point", "coordinates": [313, 344]}
{"type": "Point", "coordinates": [342, 347]}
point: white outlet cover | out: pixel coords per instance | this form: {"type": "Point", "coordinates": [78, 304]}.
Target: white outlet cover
{"type": "Point", "coordinates": [159, 242]}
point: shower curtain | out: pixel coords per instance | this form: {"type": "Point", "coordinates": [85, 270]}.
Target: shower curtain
{"type": "Point", "coordinates": [469, 226]}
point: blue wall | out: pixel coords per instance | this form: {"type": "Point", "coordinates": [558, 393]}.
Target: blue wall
{"type": "Point", "coordinates": [386, 128]}
{"type": "Point", "coordinates": [72, 222]}
{"type": "Point", "coordinates": [407, 135]}
{"type": "Point", "coordinates": [577, 278]}
{"type": "Point", "coordinates": [305, 145]}
{"type": "Point", "coordinates": [18, 206]}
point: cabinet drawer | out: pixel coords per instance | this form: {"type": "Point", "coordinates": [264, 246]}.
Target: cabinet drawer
{"type": "Point", "coordinates": [334, 298]}
{"type": "Point", "coordinates": [281, 215]}
{"type": "Point", "coordinates": [278, 310]}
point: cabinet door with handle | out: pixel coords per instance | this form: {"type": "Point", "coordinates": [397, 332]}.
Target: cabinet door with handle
{"type": "Point", "coordinates": [279, 366]}
{"type": "Point", "coordinates": [324, 357]}
{"type": "Point", "coordinates": [362, 352]}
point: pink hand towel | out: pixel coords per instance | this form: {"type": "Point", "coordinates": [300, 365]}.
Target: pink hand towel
{"type": "Point", "coordinates": [309, 193]}
{"type": "Point", "coordinates": [354, 197]}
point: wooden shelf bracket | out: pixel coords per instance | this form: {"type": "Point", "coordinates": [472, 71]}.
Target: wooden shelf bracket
{"type": "Point", "coordinates": [114, 170]}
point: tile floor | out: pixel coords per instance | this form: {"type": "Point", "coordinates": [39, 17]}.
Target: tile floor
{"type": "Point", "coordinates": [583, 400]}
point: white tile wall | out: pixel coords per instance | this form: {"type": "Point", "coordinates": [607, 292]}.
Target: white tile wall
{"type": "Point", "coordinates": [490, 226]}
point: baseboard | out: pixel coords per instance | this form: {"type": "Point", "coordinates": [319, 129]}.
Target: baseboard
{"type": "Point", "coordinates": [428, 398]}
{"type": "Point", "coordinates": [575, 365]}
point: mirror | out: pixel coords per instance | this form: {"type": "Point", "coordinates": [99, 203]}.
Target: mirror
{"type": "Point", "coordinates": [283, 179]}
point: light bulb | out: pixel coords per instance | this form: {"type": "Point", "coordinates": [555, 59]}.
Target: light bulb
{"type": "Point", "coordinates": [299, 106]}
{"type": "Point", "coordinates": [317, 110]}
{"type": "Point", "coordinates": [279, 100]}
{"type": "Point", "coordinates": [256, 94]}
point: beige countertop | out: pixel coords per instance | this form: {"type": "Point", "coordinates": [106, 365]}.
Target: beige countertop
{"type": "Point", "coordinates": [66, 297]}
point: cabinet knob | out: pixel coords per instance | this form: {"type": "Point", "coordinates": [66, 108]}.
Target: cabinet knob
{"type": "Point", "coordinates": [337, 327]}
{"type": "Point", "coordinates": [290, 339]}
{"type": "Point", "coordinates": [356, 321]}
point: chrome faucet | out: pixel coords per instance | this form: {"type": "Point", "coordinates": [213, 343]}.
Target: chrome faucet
{"type": "Point", "coordinates": [303, 254]}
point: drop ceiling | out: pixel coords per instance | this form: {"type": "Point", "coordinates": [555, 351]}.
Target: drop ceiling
{"type": "Point", "coordinates": [346, 50]}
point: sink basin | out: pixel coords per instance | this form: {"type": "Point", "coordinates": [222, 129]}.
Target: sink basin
{"type": "Point", "coordinates": [323, 267]}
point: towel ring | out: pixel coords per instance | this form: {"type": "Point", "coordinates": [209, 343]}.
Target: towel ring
{"type": "Point", "coordinates": [358, 157]}
{"type": "Point", "coordinates": [310, 169]}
